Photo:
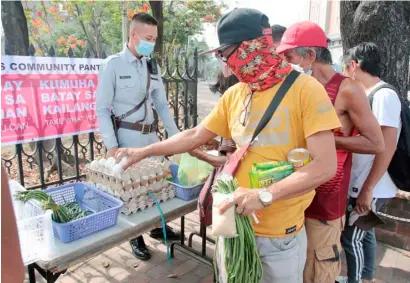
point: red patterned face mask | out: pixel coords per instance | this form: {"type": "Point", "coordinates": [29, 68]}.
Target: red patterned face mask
{"type": "Point", "coordinates": [256, 63]}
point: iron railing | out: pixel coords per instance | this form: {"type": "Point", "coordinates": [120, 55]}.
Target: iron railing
{"type": "Point", "coordinates": [54, 162]}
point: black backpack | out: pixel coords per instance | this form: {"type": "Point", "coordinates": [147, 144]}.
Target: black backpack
{"type": "Point", "coordinates": [399, 168]}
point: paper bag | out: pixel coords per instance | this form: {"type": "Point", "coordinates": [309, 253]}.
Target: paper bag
{"type": "Point", "coordinates": [223, 225]}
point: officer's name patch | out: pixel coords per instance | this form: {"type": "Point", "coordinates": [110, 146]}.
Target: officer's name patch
{"type": "Point", "coordinates": [125, 77]}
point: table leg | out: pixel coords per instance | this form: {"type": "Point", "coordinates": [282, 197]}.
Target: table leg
{"type": "Point", "coordinates": [203, 236]}
{"type": "Point", "coordinates": [49, 276]}
{"type": "Point", "coordinates": [31, 273]}
{"type": "Point", "coordinates": [188, 250]}
{"type": "Point", "coordinates": [182, 230]}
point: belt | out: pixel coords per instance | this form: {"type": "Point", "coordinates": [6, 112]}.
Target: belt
{"type": "Point", "coordinates": [143, 128]}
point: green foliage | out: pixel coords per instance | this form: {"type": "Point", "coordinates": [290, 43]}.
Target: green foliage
{"type": "Point", "coordinates": [97, 25]}
{"type": "Point", "coordinates": [183, 19]}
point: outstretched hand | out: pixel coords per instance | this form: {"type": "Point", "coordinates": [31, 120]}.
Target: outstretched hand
{"type": "Point", "coordinates": [133, 155]}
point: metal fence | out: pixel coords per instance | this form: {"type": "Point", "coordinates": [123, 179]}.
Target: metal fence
{"type": "Point", "coordinates": [54, 162]}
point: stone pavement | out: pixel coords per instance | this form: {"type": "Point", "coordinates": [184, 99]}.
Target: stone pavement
{"type": "Point", "coordinates": [393, 264]}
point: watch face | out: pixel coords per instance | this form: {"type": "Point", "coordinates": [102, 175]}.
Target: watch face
{"type": "Point", "coordinates": [266, 196]}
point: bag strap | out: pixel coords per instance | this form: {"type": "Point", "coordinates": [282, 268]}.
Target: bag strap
{"type": "Point", "coordinates": [139, 105]}
{"type": "Point", "coordinates": [234, 160]}
{"type": "Point", "coordinates": [386, 85]}
{"type": "Point", "coordinates": [267, 116]}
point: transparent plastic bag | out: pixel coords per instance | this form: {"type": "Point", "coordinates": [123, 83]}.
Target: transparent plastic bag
{"type": "Point", "coordinates": [192, 171]}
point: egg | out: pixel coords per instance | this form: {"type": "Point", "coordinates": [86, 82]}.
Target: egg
{"type": "Point", "coordinates": [94, 165]}
{"type": "Point", "coordinates": [123, 161]}
{"type": "Point", "coordinates": [110, 162]}
{"type": "Point", "coordinates": [101, 162]}
{"type": "Point", "coordinates": [117, 170]}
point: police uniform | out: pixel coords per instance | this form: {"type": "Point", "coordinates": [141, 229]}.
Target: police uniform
{"type": "Point", "coordinates": [122, 87]}
{"type": "Point", "coordinates": [122, 84]}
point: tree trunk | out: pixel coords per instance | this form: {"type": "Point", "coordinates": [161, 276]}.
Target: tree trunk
{"type": "Point", "coordinates": [157, 12]}
{"type": "Point", "coordinates": [385, 23]}
{"type": "Point", "coordinates": [15, 28]}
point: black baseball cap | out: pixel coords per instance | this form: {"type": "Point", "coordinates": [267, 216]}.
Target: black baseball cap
{"type": "Point", "coordinates": [239, 25]}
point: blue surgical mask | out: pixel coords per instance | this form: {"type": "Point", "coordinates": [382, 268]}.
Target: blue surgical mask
{"type": "Point", "coordinates": [144, 48]}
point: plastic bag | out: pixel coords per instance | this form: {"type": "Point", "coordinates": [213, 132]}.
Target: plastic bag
{"type": "Point", "coordinates": [192, 171]}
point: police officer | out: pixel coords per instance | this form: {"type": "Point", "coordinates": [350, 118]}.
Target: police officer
{"type": "Point", "coordinates": [128, 84]}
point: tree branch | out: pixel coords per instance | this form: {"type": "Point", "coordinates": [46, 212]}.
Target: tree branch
{"type": "Point", "coordinates": [90, 42]}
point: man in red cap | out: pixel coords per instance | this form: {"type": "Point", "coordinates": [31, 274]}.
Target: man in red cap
{"type": "Point", "coordinates": [305, 45]}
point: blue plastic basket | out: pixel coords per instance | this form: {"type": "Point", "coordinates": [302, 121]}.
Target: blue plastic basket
{"type": "Point", "coordinates": [184, 192]}
{"type": "Point", "coordinates": [105, 210]}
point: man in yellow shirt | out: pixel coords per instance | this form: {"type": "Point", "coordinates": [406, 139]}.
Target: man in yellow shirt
{"type": "Point", "coordinates": [304, 119]}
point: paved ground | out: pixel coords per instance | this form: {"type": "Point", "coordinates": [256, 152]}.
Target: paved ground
{"type": "Point", "coordinates": [393, 264]}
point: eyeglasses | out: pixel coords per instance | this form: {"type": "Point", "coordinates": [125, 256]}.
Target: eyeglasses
{"type": "Point", "coordinates": [247, 103]}
{"type": "Point", "coordinates": [219, 53]}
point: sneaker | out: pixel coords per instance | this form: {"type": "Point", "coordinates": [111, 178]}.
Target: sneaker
{"type": "Point", "coordinates": [341, 279]}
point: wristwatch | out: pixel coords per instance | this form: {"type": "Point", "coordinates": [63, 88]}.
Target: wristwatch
{"type": "Point", "coordinates": [265, 196]}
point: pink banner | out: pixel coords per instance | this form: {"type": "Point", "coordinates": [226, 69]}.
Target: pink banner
{"type": "Point", "coordinates": [43, 98]}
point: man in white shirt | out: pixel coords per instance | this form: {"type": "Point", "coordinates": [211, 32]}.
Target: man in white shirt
{"type": "Point", "coordinates": [370, 186]}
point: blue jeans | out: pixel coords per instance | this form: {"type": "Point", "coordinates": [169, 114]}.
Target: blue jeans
{"type": "Point", "coordinates": [360, 247]}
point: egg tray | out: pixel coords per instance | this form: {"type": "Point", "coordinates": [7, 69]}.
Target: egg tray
{"type": "Point", "coordinates": [131, 181]}
{"type": "Point", "coordinates": [144, 202]}
{"type": "Point", "coordinates": [135, 195]}
{"type": "Point", "coordinates": [145, 168]}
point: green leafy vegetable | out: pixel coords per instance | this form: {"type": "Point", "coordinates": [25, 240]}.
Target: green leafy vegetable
{"type": "Point", "coordinates": [61, 213]}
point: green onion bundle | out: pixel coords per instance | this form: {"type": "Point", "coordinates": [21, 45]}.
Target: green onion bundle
{"type": "Point", "coordinates": [61, 213]}
{"type": "Point", "coordinates": [242, 261]}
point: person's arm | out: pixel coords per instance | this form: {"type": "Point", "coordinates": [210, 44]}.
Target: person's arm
{"type": "Point", "coordinates": [216, 124]}
{"type": "Point", "coordinates": [370, 140]}
{"type": "Point", "coordinates": [161, 106]}
{"type": "Point", "coordinates": [321, 169]}
{"type": "Point", "coordinates": [12, 267]}
{"type": "Point", "coordinates": [216, 161]}
{"type": "Point", "coordinates": [380, 164]}
{"type": "Point", "coordinates": [105, 97]}
{"type": "Point", "coordinates": [387, 108]}
{"type": "Point", "coordinates": [182, 142]}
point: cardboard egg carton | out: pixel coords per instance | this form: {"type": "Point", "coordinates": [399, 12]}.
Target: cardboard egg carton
{"type": "Point", "coordinates": [142, 202]}
{"type": "Point", "coordinates": [133, 185]}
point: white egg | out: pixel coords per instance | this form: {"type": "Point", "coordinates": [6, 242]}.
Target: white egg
{"type": "Point", "coordinates": [101, 162]}
{"type": "Point", "coordinates": [117, 170]}
{"type": "Point", "coordinates": [110, 162]}
{"type": "Point", "coordinates": [123, 161]}
{"type": "Point", "coordinates": [94, 165]}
